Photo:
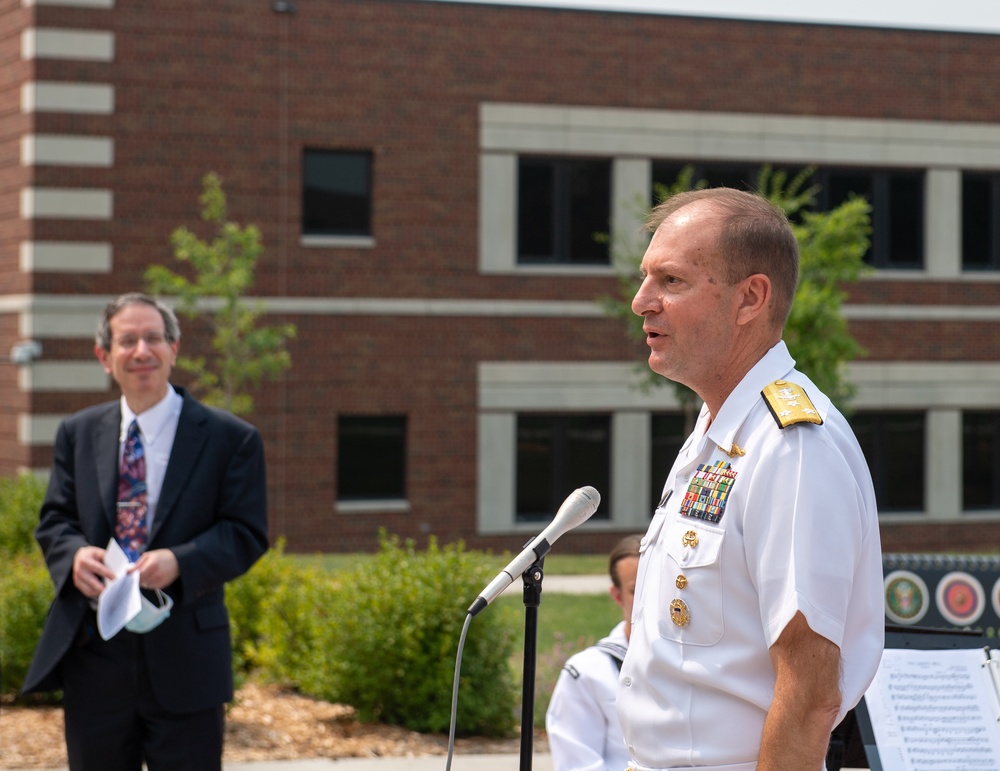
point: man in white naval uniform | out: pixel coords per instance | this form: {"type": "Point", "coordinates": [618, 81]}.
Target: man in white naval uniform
{"type": "Point", "coordinates": [758, 619]}
{"type": "Point", "coordinates": [581, 720]}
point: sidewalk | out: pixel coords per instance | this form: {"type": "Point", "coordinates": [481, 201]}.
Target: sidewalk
{"type": "Point", "coordinates": [539, 762]}
{"type": "Point", "coordinates": [430, 763]}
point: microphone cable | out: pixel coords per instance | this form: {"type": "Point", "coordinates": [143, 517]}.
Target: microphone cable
{"type": "Point", "coordinates": [454, 690]}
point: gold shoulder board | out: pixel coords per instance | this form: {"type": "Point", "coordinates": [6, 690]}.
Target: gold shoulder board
{"type": "Point", "coordinates": [789, 404]}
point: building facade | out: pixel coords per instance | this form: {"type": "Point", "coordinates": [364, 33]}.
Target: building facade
{"type": "Point", "coordinates": [428, 178]}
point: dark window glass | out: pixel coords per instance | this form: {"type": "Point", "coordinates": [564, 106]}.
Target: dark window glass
{"type": "Point", "coordinates": [897, 201]}
{"type": "Point", "coordinates": [896, 197]}
{"type": "Point", "coordinates": [667, 435]}
{"type": "Point", "coordinates": [663, 173]}
{"type": "Point", "coordinates": [741, 176]}
{"type": "Point", "coordinates": [839, 185]}
{"type": "Point", "coordinates": [563, 204]}
{"type": "Point", "coordinates": [336, 193]}
{"type": "Point", "coordinates": [905, 224]}
{"type": "Point", "coordinates": [893, 444]}
{"type": "Point", "coordinates": [980, 221]}
{"type": "Point", "coordinates": [371, 457]}
{"type": "Point", "coordinates": [536, 209]}
{"type": "Point", "coordinates": [980, 460]}
{"type": "Point", "coordinates": [556, 454]}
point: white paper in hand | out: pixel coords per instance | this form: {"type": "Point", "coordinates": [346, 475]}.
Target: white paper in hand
{"type": "Point", "coordinates": [120, 601]}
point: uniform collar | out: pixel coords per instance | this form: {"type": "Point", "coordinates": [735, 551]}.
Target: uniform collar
{"type": "Point", "coordinates": [776, 363]}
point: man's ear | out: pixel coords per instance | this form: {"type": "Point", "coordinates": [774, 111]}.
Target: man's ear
{"type": "Point", "coordinates": [616, 595]}
{"type": "Point", "coordinates": [755, 298]}
{"type": "Point", "coordinates": [103, 357]}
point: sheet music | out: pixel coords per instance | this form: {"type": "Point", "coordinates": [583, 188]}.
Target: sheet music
{"type": "Point", "coordinates": [935, 710]}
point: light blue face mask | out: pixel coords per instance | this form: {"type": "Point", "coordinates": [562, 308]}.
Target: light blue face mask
{"type": "Point", "coordinates": [151, 616]}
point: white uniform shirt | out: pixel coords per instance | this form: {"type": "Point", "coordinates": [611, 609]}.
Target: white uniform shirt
{"type": "Point", "coordinates": [581, 721]}
{"type": "Point", "coordinates": [798, 531]}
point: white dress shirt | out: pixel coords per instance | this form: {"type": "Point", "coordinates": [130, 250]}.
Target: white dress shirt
{"type": "Point", "coordinates": [157, 427]}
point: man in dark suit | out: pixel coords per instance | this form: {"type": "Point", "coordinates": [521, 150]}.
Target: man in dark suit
{"type": "Point", "coordinates": [155, 697]}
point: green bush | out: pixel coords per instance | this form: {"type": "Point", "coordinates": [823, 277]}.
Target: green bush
{"type": "Point", "coordinates": [279, 613]}
{"type": "Point", "coordinates": [245, 600]}
{"type": "Point", "coordinates": [25, 595]}
{"type": "Point", "coordinates": [381, 636]}
{"type": "Point", "coordinates": [393, 639]}
{"type": "Point", "coordinates": [20, 502]}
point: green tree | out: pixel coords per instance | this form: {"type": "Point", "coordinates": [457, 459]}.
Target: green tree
{"type": "Point", "coordinates": [223, 271]}
{"type": "Point", "coordinates": [832, 246]}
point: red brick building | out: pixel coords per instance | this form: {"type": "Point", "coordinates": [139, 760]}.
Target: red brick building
{"type": "Point", "coordinates": [427, 177]}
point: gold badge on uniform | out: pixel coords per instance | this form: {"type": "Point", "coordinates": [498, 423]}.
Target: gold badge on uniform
{"type": "Point", "coordinates": [789, 404]}
{"type": "Point", "coordinates": [680, 614]}
{"type": "Point", "coordinates": [681, 581]}
{"type": "Point", "coordinates": [690, 538]}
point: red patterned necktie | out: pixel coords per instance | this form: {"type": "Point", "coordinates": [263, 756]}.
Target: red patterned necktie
{"type": "Point", "coordinates": [130, 528]}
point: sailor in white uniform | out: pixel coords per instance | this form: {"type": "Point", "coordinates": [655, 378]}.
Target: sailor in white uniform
{"type": "Point", "coordinates": [758, 619]}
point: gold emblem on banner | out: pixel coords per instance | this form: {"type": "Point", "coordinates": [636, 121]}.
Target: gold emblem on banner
{"type": "Point", "coordinates": [690, 538]}
{"type": "Point", "coordinates": [680, 614]}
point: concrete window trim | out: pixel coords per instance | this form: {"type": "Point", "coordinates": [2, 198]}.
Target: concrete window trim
{"type": "Point", "coordinates": [69, 44]}
{"type": "Point", "coordinates": [67, 150]}
{"type": "Point", "coordinates": [942, 389]}
{"type": "Point", "coordinates": [633, 135]}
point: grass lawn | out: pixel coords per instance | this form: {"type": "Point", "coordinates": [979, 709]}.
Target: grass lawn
{"type": "Point", "coordinates": [567, 623]}
{"type": "Point", "coordinates": [555, 564]}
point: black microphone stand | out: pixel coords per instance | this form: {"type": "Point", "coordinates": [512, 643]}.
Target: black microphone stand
{"type": "Point", "coordinates": [532, 599]}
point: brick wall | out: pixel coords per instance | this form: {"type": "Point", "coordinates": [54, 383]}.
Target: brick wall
{"type": "Point", "coordinates": [232, 87]}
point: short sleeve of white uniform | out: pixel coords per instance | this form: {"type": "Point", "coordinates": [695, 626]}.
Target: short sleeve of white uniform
{"type": "Point", "coordinates": [806, 507]}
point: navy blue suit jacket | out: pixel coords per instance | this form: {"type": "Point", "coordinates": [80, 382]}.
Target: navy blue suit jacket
{"type": "Point", "coordinates": [212, 514]}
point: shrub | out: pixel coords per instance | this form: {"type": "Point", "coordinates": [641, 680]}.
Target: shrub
{"type": "Point", "coordinates": [245, 600]}
{"type": "Point", "coordinates": [279, 612]}
{"type": "Point", "coordinates": [381, 636]}
{"type": "Point", "coordinates": [294, 642]}
{"type": "Point", "coordinates": [25, 595]}
{"type": "Point", "coordinates": [20, 502]}
{"type": "Point", "coordinates": [393, 638]}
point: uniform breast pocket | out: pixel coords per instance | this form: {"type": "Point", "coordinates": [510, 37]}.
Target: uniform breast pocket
{"type": "Point", "coordinates": [691, 599]}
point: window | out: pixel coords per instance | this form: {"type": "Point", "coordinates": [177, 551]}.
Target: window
{"type": "Point", "coordinates": [893, 444]}
{"type": "Point", "coordinates": [562, 206]}
{"type": "Point", "coordinates": [336, 193]}
{"type": "Point", "coordinates": [556, 454]}
{"type": "Point", "coordinates": [371, 457]}
{"type": "Point", "coordinates": [980, 221]}
{"type": "Point", "coordinates": [980, 460]}
{"type": "Point", "coordinates": [896, 197]}
{"type": "Point", "coordinates": [741, 176]}
{"type": "Point", "coordinates": [668, 433]}
{"type": "Point", "coordinates": [897, 200]}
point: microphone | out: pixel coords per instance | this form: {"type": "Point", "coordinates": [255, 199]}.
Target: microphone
{"type": "Point", "coordinates": [575, 510]}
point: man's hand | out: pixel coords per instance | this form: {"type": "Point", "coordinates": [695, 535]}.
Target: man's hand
{"type": "Point", "coordinates": [89, 571]}
{"type": "Point", "coordinates": [157, 569]}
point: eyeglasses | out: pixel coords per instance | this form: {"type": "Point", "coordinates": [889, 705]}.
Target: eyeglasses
{"type": "Point", "coordinates": [151, 339]}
